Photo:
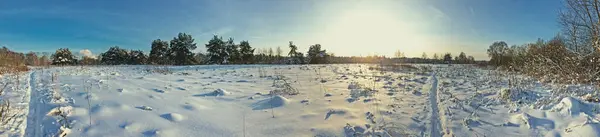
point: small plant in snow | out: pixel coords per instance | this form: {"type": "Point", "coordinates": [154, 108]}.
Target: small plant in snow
{"type": "Point", "coordinates": [358, 90]}
{"type": "Point", "coordinates": [6, 115]}
{"type": "Point", "coordinates": [284, 87]}
{"type": "Point", "coordinates": [62, 114]}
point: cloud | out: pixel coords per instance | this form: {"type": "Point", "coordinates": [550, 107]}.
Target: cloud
{"type": "Point", "coordinates": [87, 53]}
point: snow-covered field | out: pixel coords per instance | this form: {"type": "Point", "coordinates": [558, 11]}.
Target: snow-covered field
{"type": "Point", "coordinates": [293, 100]}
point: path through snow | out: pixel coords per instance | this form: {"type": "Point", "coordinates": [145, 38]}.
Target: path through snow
{"type": "Point", "coordinates": [34, 127]}
{"type": "Point", "coordinates": [436, 127]}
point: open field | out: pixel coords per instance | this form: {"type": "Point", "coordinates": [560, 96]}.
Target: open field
{"type": "Point", "coordinates": [293, 100]}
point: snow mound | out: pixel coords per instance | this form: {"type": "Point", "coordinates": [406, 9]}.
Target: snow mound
{"type": "Point", "coordinates": [218, 92]}
{"type": "Point", "coordinates": [115, 74]}
{"type": "Point", "coordinates": [521, 119]}
{"type": "Point", "coordinates": [61, 111]}
{"type": "Point", "coordinates": [173, 117]}
{"type": "Point", "coordinates": [584, 126]}
{"type": "Point", "coordinates": [273, 102]}
{"type": "Point", "coordinates": [569, 106]}
{"type": "Point", "coordinates": [221, 92]}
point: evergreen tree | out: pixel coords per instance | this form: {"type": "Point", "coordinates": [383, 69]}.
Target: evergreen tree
{"type": "Point", "coordinates": [316, 55]}
{"type": "Point", "coordinates": [159, 53]}
{"type": "Point", "coordinates": [63, 56]}
{"type": "Point", "coordinates": [296, 57]}
{"type": "Point", "coordinates": [246, 52]}
{"type": "Point", "coordinates": [115, 56]}
{"type": "Point", "coordinates": [233, 52]}
{"type": "Point", "coordinates": [137, 57]}
{"type": "Point", "coordinates": [448, 58]}
{"type": "Point", "coordinates": [180, 51]}
{"type": "Point", "coordinates": [216, 50]}
{"type": "Point", "coordinates": [462, 58]}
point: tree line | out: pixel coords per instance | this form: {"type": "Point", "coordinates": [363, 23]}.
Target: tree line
{"type": "Point", "coordinates": [178, 51]}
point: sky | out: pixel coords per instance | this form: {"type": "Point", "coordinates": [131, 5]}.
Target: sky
{"type": "Point", "coordinates": [342, 27]}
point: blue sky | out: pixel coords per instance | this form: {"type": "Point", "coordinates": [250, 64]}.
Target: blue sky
{"type": "Point", "coordinates": [344, 27]}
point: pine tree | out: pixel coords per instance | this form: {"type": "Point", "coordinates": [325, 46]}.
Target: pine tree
{"type": "Point", "coordinates": [316, 55]}
{"type": "Point", "coordinates": [462, 58]}
{"type": "Point", "coordinates": [63, 56]}
{"type": "Point", "coordinates": [216, 50]}
{"type": "Point", "coordinates": [246, 52]}
{"type": "Point", "coordinates": [233, 52]}
{"type": "Point", "coordinates": [159, 53]}
{"type": "Point", "coordinates": [180, 51]}
{"type": "Point", "coordinates": [137, 57]}
{"type": "Point", "coordinates": [115, 56]}
{"type": "Point", "coordinates": [448, 58]}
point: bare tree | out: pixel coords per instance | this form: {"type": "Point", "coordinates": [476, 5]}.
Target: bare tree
{"type": "Point", "coordinates": [580, 22]}
{"type": "Point", "coordinates": [399, 54]}
{"type": "Point", "coordinates": [278, 51]}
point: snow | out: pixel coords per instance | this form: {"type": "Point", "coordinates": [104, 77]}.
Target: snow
{"type": "Point", "coordinates": [331, 100]}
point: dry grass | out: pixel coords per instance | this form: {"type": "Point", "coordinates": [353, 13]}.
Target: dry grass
{"type": "Point", "coordinates": [159, 69]}
{"type": "Point", "coordinates": [6, 113]}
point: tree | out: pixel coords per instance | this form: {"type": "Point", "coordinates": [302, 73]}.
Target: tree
{"type": "Point", "coordinates": [448, 58]}
{"type": "Point", "coordinates": [31, 59]}
{"type": "Point", "coordinates": [137, 57]}
{"type": "Point", "coordinates": [424, 55]}
{"type": "Point", "coordinates": [399, 54]}
{"type": "Point", "coordinates": [88, 61]}
{"type": "Point", "coordinates": [246, 52]}
{"type": "Point", "coordinates": [115, 56]}
{"type": "Point", "coordinates": [180, 51]}
{"type": "Point", "coordinates": [462, 58]}
{"type": "Point", "coordinates": [580, 21]}
{"type": "Point", "coordinates": [278, 52]}
{"type": "Point", "coordinates": [200, 58]}
{"type": "Point", "coordinates": [271, 55]}
{"type": "Point", "coordinates": [316, 55]}
{"type": "Point", "coordinates": [233, 53]}
{"type": "Point", "coordinates": [498, 53]}
{"type": "Point", "coordinates": [471, 59]}
{"type": "Point", "coordinates": [216, 50]}
{"type": "Point", "coordinates": [296, 57]}
{"type": "Point", "coordinates": [63, 56]}
{"type": "Point", "coordinates": [159, 54]}
{"type": "Point", "coordinates": [44, 60]}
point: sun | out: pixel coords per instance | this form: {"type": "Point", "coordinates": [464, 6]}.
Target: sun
{"type": "Point", "coordinates": [371, 29]}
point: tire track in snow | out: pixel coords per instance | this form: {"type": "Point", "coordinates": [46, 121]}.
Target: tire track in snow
{"type": "Point", "coordinates": [436, 126]}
